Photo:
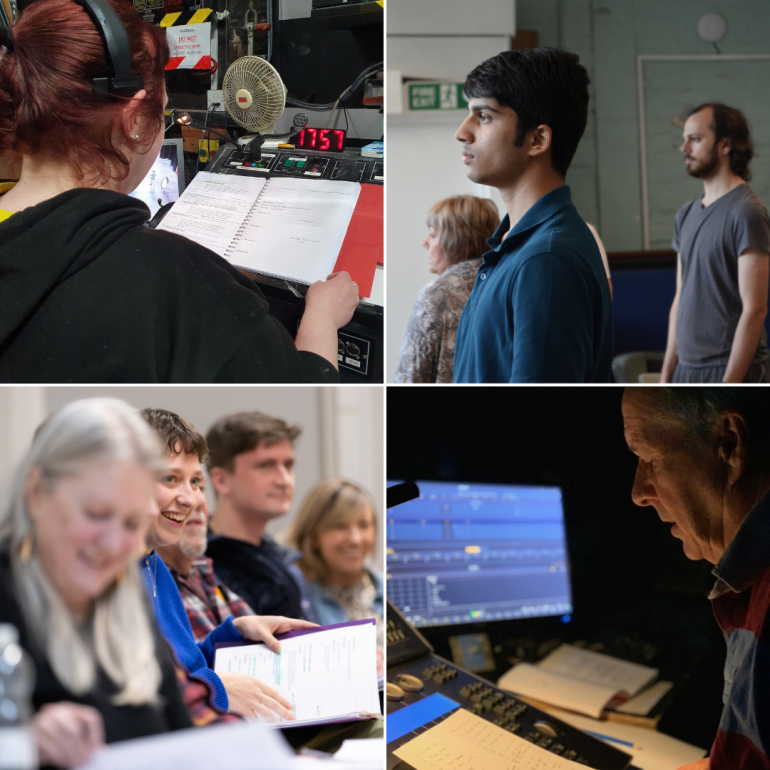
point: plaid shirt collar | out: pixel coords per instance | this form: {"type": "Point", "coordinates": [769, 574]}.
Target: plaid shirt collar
{"type": "Point", "coordinates": [747, 555]}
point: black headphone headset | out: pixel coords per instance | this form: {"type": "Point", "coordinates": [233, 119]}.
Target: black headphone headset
{"type": "Point", "coordinates": [119, 79]}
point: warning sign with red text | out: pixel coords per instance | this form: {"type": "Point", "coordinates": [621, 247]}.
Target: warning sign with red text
{"type": "Point", "coordinates": [190, 47]}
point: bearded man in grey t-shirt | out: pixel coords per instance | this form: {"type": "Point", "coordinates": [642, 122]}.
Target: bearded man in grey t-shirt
{"type": "Point", "coordinates": [716, 325]}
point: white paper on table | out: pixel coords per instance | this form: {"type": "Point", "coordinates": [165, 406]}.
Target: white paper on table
{"type": "Point", "coordinates": [465, 741]}
{"type": "Point", "coordinates": [296, 228]}
{"type": "Point", "coordinates": [565, 692]}
{"type": "Point", "coordinates": [650, 749]}
{"type": "Point", "coordinates": [212, 209]}
{"type": "Point", "coordinates": [599, 669]}
{"type": "Point", "coordinates": [228, 745]}
{"type": "Point", "coordinates": [326, 674]}
{"type": "Point", "coordinates": [643, 703]}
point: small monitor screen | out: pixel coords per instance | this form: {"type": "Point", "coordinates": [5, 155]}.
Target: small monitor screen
{"type": "Point", "coordinates": [164, 182]}
{"type": "Point", "coordinates": [464, 553]}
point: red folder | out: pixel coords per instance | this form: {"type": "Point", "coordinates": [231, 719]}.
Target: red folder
{"type": "Point", "coordinates": [362, 250]}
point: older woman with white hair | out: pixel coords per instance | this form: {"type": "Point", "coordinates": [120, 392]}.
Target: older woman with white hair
{"type": "Point", "coordinates": [72, 523]}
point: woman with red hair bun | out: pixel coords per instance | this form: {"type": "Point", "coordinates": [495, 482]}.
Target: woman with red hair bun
{"type": "Point", "coordinates": [87, 293]}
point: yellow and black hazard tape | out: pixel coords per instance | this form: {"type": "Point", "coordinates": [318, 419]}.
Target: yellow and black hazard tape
{"type": "Point", "coordinates": [185, 17]}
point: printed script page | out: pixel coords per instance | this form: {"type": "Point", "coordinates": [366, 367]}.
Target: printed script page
{"type": "Point", "coordinates": [296, 228]}
{"type": "Point", "coordinates": [212, 209]}
{"type": "Point", "coordinates": [328, 674]}
{"type": "Point", "coordinates": [465, 741]}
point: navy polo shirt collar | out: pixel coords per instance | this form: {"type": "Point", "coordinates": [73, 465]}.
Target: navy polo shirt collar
{"type": "Point", "coordinates": [539, 212]}
{"type": "Point", "coordinates": [746, 557]}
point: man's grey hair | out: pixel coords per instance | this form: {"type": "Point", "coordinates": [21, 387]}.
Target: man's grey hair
{"type": "Point", "coordinates": [695, 411]}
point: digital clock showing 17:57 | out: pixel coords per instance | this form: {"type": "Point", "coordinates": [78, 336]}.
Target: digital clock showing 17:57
{"type": "Point", "coordinates": [321, 139]}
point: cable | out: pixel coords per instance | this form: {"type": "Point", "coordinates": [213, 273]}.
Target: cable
{"type": "Point", "coordinates": [269, 29]}
{"type": "Point", "coordinates": [332, 105]}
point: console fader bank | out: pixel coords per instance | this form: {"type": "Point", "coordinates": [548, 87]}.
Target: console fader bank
{"type": "Point", "coordinates": [423, 688]}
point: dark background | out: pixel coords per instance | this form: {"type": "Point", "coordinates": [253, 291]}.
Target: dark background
{"type": "Point", "coordinates": [635, 594]}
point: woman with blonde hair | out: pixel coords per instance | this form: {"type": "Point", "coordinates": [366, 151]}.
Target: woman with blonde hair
{"type": "Point", "coordinates": [335, 532]}
{"type": "Point", "coordinates": [72, 522]}
{"type": "Point", "coordinates": [458, 228]}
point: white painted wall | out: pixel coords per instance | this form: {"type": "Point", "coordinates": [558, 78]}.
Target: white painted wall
{"type": "Point", "coordinates": [451, 17]}
{"type": "Point", "coordinates": [21, 411]}
{"type": "Point", "coordinates": [442, 58]}
{"type": "Point", "coordinates": [429, 168]}
{"type": "Point", "coordinates": [342, 426]}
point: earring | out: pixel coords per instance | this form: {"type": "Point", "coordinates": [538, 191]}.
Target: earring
{"type": "Point", "coordinates": [135, 137]}
{"type": "Point", "coordinates": [25, 549]}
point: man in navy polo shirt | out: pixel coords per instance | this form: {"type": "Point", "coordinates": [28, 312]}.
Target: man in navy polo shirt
{"type": "Point", "coordinates": [540, 310]}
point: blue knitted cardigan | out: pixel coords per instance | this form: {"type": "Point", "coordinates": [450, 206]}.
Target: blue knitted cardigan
{"type": "Point", "coordinates": [171, 617]}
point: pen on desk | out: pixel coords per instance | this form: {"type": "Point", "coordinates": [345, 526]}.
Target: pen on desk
{"type": "Point", "coordinates": [614, 740]}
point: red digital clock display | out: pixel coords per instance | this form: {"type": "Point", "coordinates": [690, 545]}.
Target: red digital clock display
{"type": "Point", "coordinates": [321, 139]}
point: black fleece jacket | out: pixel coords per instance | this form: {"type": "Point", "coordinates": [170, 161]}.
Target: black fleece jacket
{"type": "Point", "coordinates": [87, 294]}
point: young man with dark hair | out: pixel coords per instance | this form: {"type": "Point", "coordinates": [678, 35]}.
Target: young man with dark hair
{"type": "Point", "coordinates": [716, 325]}
{"type": "Point", "coordinates": [251, 465]}
{"type": "Point", "coordinates": [540, 310]}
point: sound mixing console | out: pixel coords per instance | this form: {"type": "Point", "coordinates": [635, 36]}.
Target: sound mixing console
{"type": "Point", "coordinates": [422, 689]}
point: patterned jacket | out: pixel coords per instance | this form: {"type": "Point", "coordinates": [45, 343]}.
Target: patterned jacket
{"type": "Point", "coordinates": [428, 346]}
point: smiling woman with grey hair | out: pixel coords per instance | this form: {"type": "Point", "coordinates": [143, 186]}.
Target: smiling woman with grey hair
{"type": "Point", "coordinates": [72, 521]}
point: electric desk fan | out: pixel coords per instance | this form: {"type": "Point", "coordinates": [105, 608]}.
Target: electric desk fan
{"type": "Point", "coordinates": [254, 97]}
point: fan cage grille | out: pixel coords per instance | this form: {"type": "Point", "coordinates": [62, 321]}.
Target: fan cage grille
{"type": "Point", "coordinates": [262, 80]}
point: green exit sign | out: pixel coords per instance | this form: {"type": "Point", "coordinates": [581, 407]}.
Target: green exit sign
{"type": "Point", "coordinates": [436, 96]}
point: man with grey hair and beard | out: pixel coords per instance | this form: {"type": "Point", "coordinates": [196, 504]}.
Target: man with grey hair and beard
{"type": "Point", "coordinates": [704, 465]}
{"type": "Point", "coordinates": [208, 601]}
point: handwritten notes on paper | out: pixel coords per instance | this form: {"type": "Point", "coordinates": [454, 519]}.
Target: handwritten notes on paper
{"type": "Point", "coordinates": [465, 741]}
{"type": "Point", "coordinates": [212, 209]}
{"type": "Point", "coordinates": [290, 228]}
{"type": "Point", "coordinates": [296, 228]}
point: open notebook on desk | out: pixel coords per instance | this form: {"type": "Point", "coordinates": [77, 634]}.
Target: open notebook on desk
{"type": "Point", "coordinates": [328, 673]}
{"type": "Point", "coordinates": [289, 228]}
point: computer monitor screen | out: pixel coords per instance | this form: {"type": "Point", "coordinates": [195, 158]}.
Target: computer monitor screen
{"type": "Point", "coordinates": [164, 182]}
{"type": "Point", "coordinates": [463, 553]}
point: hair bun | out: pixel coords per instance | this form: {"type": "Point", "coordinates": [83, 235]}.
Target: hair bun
{"type": "Point", "coordinates": [6, 37]}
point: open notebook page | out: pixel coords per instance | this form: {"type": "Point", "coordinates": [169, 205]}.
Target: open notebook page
{"type": "Point", "coordinates": [212, 209]}
{"type": "Point", "coordinates": [296, 228]}
{"type": "Point", "coordinates": [597, 668]}
{"type": "Point", "coordinates": [465, 741]}
{"type": "Point", "coordinates": [326, 674]}
{"type": "Point", "coordinates": [573, 694]}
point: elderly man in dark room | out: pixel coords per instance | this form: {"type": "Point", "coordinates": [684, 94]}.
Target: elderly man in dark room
{"type": "Point", "coordinates": [704, 465]}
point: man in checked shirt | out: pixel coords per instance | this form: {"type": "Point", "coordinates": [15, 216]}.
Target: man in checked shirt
{"type": "Point", "coordinates": [207, 600]}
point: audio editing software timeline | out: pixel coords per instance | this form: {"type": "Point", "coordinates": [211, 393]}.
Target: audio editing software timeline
{"type": "Point", "coordinates": [463, 553]}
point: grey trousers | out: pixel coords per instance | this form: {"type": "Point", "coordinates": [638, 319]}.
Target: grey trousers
{"type": "Point", "coordinates": [756, 373]}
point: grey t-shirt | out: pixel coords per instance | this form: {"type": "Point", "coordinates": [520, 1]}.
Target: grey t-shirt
{"type": "Point", "coordinates": [710, 242]}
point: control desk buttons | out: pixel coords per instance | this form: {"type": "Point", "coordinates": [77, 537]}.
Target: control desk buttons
{"type": "Point", "coordinates": [409, 683]}
{"type": "Point", "coordinates": [393, 692]}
